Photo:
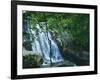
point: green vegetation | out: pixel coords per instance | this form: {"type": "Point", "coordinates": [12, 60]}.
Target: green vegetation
{"type": "Point", "coordinates": [32, 61]}
{"type": "Point", "coordinates": [69, 30]}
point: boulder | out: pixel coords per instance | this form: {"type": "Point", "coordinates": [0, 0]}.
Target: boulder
{"type": "Point", "coordinates": [31, 59]}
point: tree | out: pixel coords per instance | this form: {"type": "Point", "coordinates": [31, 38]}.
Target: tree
{"type": "Point", "coordinates": [60, 25]}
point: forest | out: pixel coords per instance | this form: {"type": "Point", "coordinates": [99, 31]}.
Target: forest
{"type": "Point", "coordinates": [55, 39]}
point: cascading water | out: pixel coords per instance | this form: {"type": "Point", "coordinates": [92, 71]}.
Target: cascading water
{"type": "Point", "coordinates": [45, 47]}
{"type": "Point", "coordinates": [42, 46]}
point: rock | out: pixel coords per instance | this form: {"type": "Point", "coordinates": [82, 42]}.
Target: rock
{"type": "Point", "coordinates": [26, 52]}
{"type": "Point", "coordinates": [84, 55]}
{"type": "Point", "coordinates": [31, 59]}
{"type": "Point", "coordinates": [65, 63]}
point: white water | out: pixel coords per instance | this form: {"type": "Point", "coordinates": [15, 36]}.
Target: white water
{"type": "Point", "coordinates": [41, 45]}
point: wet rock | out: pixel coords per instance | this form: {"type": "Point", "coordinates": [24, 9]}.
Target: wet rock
{"type": "Point", "coordinates": [64, 63]}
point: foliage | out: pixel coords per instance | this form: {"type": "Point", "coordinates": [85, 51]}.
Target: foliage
{"type": "Point", "coordinates": [66, 28]}
{"type": "Point", "coordinates": [31, 61]}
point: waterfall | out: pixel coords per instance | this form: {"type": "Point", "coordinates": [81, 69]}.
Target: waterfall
{"type": "Point", "coordinates": [41, 45]}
